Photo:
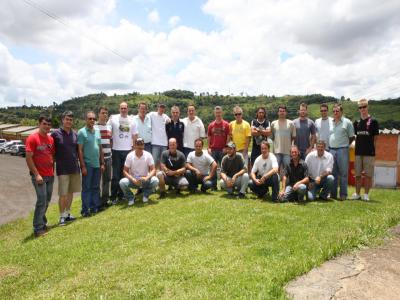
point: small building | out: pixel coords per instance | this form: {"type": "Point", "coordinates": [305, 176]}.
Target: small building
{"type": "Point", "coordinates": [5, 127]}
{"type": "Point", "coordinates": [24, 135]}
{"type": "Point", "coordinates": [14, 133]}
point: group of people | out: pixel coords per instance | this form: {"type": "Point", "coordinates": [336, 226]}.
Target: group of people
{"type": "Point", "coordinates": [153, 150]}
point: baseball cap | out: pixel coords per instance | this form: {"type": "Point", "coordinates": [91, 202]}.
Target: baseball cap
{"type": "Point", "coordinates": [231, 145]}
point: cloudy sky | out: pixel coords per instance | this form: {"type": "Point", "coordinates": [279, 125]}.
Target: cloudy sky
{"type": "Point", "coordinates": [54, 50]}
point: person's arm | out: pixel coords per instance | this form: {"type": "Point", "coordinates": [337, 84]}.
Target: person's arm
{"type": "Point", "coordinates": [180, 171]}
{"type": "Point", "coordinates": [129, 176]}
{"type": "Point", "coordinates": [209, 139]}
{"type": "Point", "coordinates": [81, 160]}
{"type": "Point", "coordinates": [190, 167]}
{"type": "Point", "coordinates": [32, 168]}
{"type": "Point", "coordinates": [269, 174]}
{"type": "Point", "coordinates": [213, 169]}
{"type": "Point", "coordinates": [102, 167]}
{"type": "Point", "coordinates": [152, 172]}
{"type": "Point", "coordinates": [293, 133]}
{"type": "Point", "coordinates": [282, 192]}
{"type": "Point", "coordinates": [350, 130]}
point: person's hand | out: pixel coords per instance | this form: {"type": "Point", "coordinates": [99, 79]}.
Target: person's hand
{"type": "Point", "coordinates": [209, 151]}
{"type": "Point", "coordinates": [39, 179]}
{"type": "Point", "coordinates": [206, 178]}
{"type": "Point", "coordinates": [102, 168]}
{"type": "Point", "coordinates": [229, 183]}
{"type": "Point", "coordinates": [296, 187]}
{"type": "Point", "coordinates": [198, 174]}
{"type": "Point", "coordinates": [257, 182]}
{"type": "Point", "coordinates": [281, 194]}
{"type": "Point", "coordinates": [84, 171]}
{"type": "Point", "coordinates": [318, 180]}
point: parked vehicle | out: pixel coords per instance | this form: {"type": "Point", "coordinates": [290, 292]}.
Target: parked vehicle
{"type": "Point", "coordinates": [17, 150]}
{"type": "Point", "coordinates": [6, 146]}
{"type": "Point", "coordinates": [2, 141]}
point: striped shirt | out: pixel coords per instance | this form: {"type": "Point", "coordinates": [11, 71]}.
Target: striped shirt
{"type": "Point", "coordinates": [106, 136]}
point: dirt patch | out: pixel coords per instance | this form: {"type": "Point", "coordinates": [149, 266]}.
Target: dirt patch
{"type": "Point", "coordinates": [367, 274]}
{"type": "Point", "coordinates": [17, 195]}
{"type": "Point", "coordinates": [8, 271]}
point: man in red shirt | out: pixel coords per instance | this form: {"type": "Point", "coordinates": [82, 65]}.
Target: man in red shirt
{"type": "Point", "coordinates": [39, 158]}
{"type": "Point", "coordinates": [218, 136]}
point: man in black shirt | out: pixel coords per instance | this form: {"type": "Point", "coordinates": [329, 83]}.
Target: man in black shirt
{"type": "Point", "coordinates": [260, 131]}
{"type": "Point", "coordinates": [295, 178]}
{"type": "Point", "coordinates": [176, 127]}
{"type": "Point", "coordinates": [366, 130]}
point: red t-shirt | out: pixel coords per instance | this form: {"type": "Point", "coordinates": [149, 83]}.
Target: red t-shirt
{"type": "Point", "coordinates": [218, 133]}
{"type": "Point", "coordinates": [42, 148]}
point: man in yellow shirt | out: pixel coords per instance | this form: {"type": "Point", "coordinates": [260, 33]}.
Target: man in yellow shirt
{"type": "Point", "coordinates": [240, 133]}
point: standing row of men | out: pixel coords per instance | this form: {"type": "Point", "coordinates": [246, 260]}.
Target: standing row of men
{"type": "Point", "coordinates": [177, 157]}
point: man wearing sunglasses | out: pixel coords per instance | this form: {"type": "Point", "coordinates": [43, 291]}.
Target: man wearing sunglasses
{"type": "Point", "coordinates": [240, 132]}
{"type": "Point", "coordinates": [366, 130]}
{"type": "Point", "coordinates": [91, 160]}
{"type": "Point", "coordinates": [323, 125]}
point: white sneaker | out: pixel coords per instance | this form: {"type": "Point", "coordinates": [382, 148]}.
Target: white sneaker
{"type": "Point", "coordinates": [145, 199]}
{"type": "Point", "coordinates": [365, 197]}
{"type": "Point", "coordinates": [355, 196]}
{"type": "Point", "coordinates": [131, 202]}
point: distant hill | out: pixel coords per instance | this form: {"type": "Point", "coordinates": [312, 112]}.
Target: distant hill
{"type": "Point", "coordinates": [386, 111]}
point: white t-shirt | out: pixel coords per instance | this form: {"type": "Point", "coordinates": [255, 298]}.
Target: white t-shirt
{"type": "Point", "coordinates": [324, 129]}
{"type": "Point", "coordinates": [158, 133]}
{"type": "Point", "coordinates": [193, 130]}
{"type": "Point", "coordinates": [139, 166]}
{"type": "Point", "coordinates": [201, 163]}
{"type": "Point", "coordinates": [317, 165]}
{"type": "Point", "coordinates": [262, 166]}
{"type": "Point", "coordinates": [122, 131]}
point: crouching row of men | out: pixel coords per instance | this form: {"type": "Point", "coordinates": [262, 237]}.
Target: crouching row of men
{"type": "Point", "coordinates": [312, 175]}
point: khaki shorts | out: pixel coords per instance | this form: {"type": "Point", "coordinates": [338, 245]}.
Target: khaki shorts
{"type": "Point", "coordinates": [70, 183]}
{"type": "Point", "coordinates": [366, 164]}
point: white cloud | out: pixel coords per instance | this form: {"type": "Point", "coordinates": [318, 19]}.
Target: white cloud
{"type": "Point", "coordinates": [153, 16]}
{"type": "Point", "coordinates": [174, 20]}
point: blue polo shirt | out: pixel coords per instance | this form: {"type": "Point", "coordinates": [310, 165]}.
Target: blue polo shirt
{"type": "Point", "coordinates": [91, 141]}
{"type": "Point", "coordinates": [66, 147]}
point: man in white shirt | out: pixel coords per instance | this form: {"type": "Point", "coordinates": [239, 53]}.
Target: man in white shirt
{"type": "Point", "coordinates": [143, 125]}
{"type": "Point", "coordinates": [194, 129]}
{"type": "Point", "coordinates": [265, 173]}
{"type": "Point", "coordinates": [200, 168]}
{"type": "Point", "coordinates": [139, 173]}
{"type": "Point", "coordinates": [159, 140]}
{"type": "Point", "coordinates": [320, 164]}
{"type": "Point", "coordinates": [324, 125]}
{"type": "Point", "coordinates": [124, 134]}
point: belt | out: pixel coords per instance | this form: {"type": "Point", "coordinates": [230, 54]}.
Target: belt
{"type": "Point", "coordinates": [338, 148]}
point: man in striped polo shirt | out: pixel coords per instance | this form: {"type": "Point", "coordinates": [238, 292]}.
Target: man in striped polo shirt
{"type": "Point", "coordinates": [106, 143]}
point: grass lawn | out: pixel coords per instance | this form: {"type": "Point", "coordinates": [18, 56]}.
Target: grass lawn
{"type": "Point", "coordinates": [187, 247]}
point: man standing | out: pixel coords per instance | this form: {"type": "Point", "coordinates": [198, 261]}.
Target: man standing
{"type": "Point", "coordinates": [106, 144]}
{"type": "Point", "coordinates": [139, 172]}
{"type": "Point", "coordinates": [260, 130]}
{"type": "Point", "coordinates": [91, 160]}
{"type": "Point", "coordinates": [265, 173]}
{"type": "Point", "coordinates": [176, 128]}
{"type": "Point", "coordinates": [366, 130]}
{"type": "Point", "coordinates": [320, 165]}
{"type": "Point", "coordinates": [234, 172]}
{"type": "Point", "coordinates": [143, 125]}
{"type": "Point", "coordinates": [342, 135]}
{"type": "Point", "coordinates": [218, 135]}
{"type": "Point", "coordinates": [67, 167]}
{"type": "Point", "coordinates": [323, 125]}
{"type": "Point", "coordinates": [39, 158]}
{"type": "Point", "coordinates": [295, 179]}
{"type": "Point", "coordinates": [194, 129]}
{"type": "Point", "coordinates": [201, 168]}
{"type": "Point", "coordinates": [159, 140]}
{"type": "Point", "coordinates": [240, 133]}
{"type": "Point", "coordinates": [124, 133]}
{"type": "Point", "coordinates": [172, 169]}
{"type": "Point", "coordinates": [283, 133]}
{"type": "Point", "coordinates": [305, 132]}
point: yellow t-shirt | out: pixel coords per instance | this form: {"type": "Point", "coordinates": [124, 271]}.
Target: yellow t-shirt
{"type": "Point", "coordinates": [240, 132]}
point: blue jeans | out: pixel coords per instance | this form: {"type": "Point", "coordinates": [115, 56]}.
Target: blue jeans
{"type": "Point", "coordinates": [156, 151]}
{"type": "Point", "coordinates": [148, 147]}
{"type": "Point", "coordinates": [340, 169]}
{"type": "Point", "coordinates": [283, 160]}
{"type": "Point", "coordinates": [325, 186]}
{"type": "Point", "coordinates": [43, 197]}
{"type": "Point", "coordinates": [241, 184]}
{"type": "Point", "coordinates": [118, 161]}
{"type": "Point", "coordinates": [105, 181]}
{"type": "Point", "coordinates": [91, 191]}
{"type": "Point", "coordinates": [148, 187]}
{"type": "Point", "coordinates": [194, 181]}
{"type": "Point", "coordinates": [217, 155]}
{"type": "Point", "coordinates": [292, 195]}
{"type": "Point", "coordinates": [262, 189]}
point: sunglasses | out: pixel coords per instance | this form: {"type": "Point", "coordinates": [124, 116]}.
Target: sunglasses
{"type": "Point", "coordinates": [238, 114]}
{"type": "Point", "coordinates": [336, 111]}
{"type": "Point", "coordinates": [323, 110]}
{"type": "Point", "coordinates": [361, 107]}
{"type": "Point", "coordinates": [92, 119]}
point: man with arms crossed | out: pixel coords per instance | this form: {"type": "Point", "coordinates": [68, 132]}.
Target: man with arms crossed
{"type": "Point", "coordinates": [172, 169]}
{"type": "Point", "coordinates": [67, 167]}
{"type": "Point", "coordinates": [366, 130]}
{"type": "Point", "coordinates": [139, 172]}
{"type": "Point", "coordinates": [260, 130]}
{"type": "Point", "coordinates": [234, 172]}
{"type": "Point", "coordinates": [124, 134]}
{"type": "Point", "coordinates": [320, 165]}
{"type": "Point", "coordinates": [295, 179]}
{"type": "Point", "coordinates": [91, 160]}
{"type": "Point", "coordinates": [265, 173]}
{"type": "Point", "coordinates": [39, 158]}
{"type": "Point", "coordinates": [201, 168]}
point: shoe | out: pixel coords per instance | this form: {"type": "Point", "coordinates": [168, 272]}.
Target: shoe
{"type": "Point", "coordinates": [342, 198]}
{"type": "Point", "coordinates": [365, 197]}
{"type": "Point", "coordinates": [355, 196]}
{"type": "Point", "coordinates": [63, 221]}
{"type": "Point", "coordinates": [131, 202]}
{"type": "Point", "coordinates": [70, 218]}
{"type": "Point", "coordinates": [145, 199]}
{"type": "Point", "coordinates": [85, 215]}
{"type": "Point", "coordinates": [139, 191]}
{"type": "Point", "coordinates": [40, 233]}
{"type": "Point", "coordinates": [178, 191]}
{"type": "Point", "coordinates": [162, 195]}
{"type": "Point", "coordinates": [241, 196]}
{"type": "Point", "coordinates": [203, 189]}
{"type": "Point", "coordinates": [114, 202]}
